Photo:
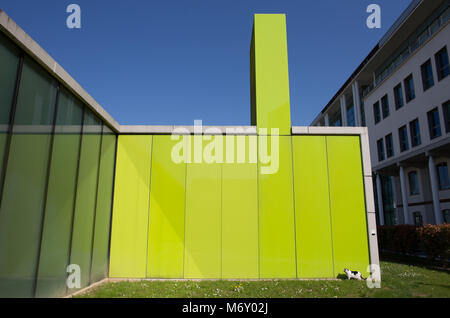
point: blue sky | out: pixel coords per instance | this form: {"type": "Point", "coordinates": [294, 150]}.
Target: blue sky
{"type": "Point", "coordinates": [171, 62]}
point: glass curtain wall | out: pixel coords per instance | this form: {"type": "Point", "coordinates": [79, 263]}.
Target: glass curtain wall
{"type": "Point", "coordinates": [56, 177]}
{"type": "Point", "coordinates": [25, 184]}
{"type": "Point", "coordinates": [85, 202]}
{"type": "Point", "coordinates": [61, 191]}
{"type": "Point", "coordinates": [9, 63]}
{"type": "Point", "coordinates": [102, 222]}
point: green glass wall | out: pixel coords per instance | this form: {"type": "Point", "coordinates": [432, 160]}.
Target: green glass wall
{"type": "Point", "coordinates": [240, 214]}
{"type": "Point", "coordinates": [166, 220]}
{"type": "Point", "coordinates": [312, 207]}
{"type": "Point", "coordinates": [9, 63]}
{"type": "Point", "coordinates": [25, 184]}
{"type": "Point", "coordinates": [203, 238]}
{"type": "Point", "coordinates": [329, 206]}
{"type": "Point", "coordinates": [129, 236]}
{"type": "Point", "coordinates": [85, 202]}
{"type": "Point", "coordinates": [276, 214]}
{"type": "Point", "coordinates": [57, 228]}
{"type": "Point", "coordinates": [347, 204]}
{"type": "Point", "coordinates": [51, 168]}
{"type": "Point", "coordinates": [229, 219]}
{"type": "Point", "coordinates": [102, 223]}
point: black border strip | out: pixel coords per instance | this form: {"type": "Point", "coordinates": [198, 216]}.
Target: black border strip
{"type": "Point", "coordinates": [112, 202]}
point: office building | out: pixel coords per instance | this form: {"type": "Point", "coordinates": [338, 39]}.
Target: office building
{"type": "Point", "coordinates": [401, 93]}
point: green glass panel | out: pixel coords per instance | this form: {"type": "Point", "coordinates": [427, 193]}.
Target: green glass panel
{"type": "Point", "coordinates": [100, 251]}
{"type": "Point", "coordinates": [203, 221]}
{"type": "Point", "coordinates": [166, 219]}
{"type": "Point", "coordinates": [240, 213]}
{"type": "Point", "coordinates": [348, 212]}
{"type": "Point", "coordinates": [3, 143]}
{"type": "Point", "coordinates": [129, 236]}
{"type": "Point", "coordinates": [312, 208]}
{"type": "Point", "coordinates": [23, 195]}
{"type": "Point", "coordinates": [9, 60]}
{"type": "Point", "coordinates": [85, 203]}
{"type": "Point", "coordinates": [276, 210]}
{"type": "Point", "coordinates": [55, 243]}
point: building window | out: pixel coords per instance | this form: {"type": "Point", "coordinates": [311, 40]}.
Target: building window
{"type": "Point", "coordinates": [442, 65]}
{"type": "Point", "coordinates": [442, 170]}
{"type": "Point", "coordinates": [427, 75]}
{"type": "Point", "coordinates": [376, 112]}
{"type": "Point", "coordinates": [398, 95]}
{"type": "Point", "coordinates": [434, 124]}
{"type": "Point", "coordinates": [387, 189]}
{"type": "Point", "coordinates": [350, 115]}
{"type": "Point", "coordinates": [418, 220]}
{"type": "Point", "coordinates": [335, 119]}
{"type": "Point", "coordinates": [446, 112]}
{"type": "Point", "coordinates": [380, 147]}
{"type": "Point", "coordinates": [414, 131]}
{"type": "Point", "coordinates": [446, 216]}
{"type": "Point", "coordinates": [389, 146]}
{"type": "Point", "coordinates": [409, 89]}
{"type": "Point", "coordinates": [363, 114]}
{"type": "Point", "coordinates": [385, 106]}
{"type": "Point", "coordinates": [413, 179]}
{"type": "Point", "coordinates": [403, 138]}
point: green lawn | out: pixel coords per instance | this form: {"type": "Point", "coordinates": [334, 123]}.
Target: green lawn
{"type": "Point", "coordinates": [398, 280]}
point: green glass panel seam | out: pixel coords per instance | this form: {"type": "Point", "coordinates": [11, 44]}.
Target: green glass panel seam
{"type": "Point", "coordinates": [364, 198]}
{"type": "Point", "coordinates": [85, 205]}
{"type": "Point", "coordinates": [108, 261]}
{"type": "Point", "coordinates": [185, 202]}
{"type": "Point", "coordinates": [77, 173]}
{"type": "Point", "coordinates": [329, 204]}
{"type": "Point", "coordinates": [88, 144]}
{"type": "Point", "coordinates": [221, 221]}
{"type": "Point", "coordinates": [258, 206]}
{"type": "Point", "coordinates": [293, 200]}
{"type": "Point", "coordinates": [148, 207]}
{"type": "Point", "coordinates": [95, 204]}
